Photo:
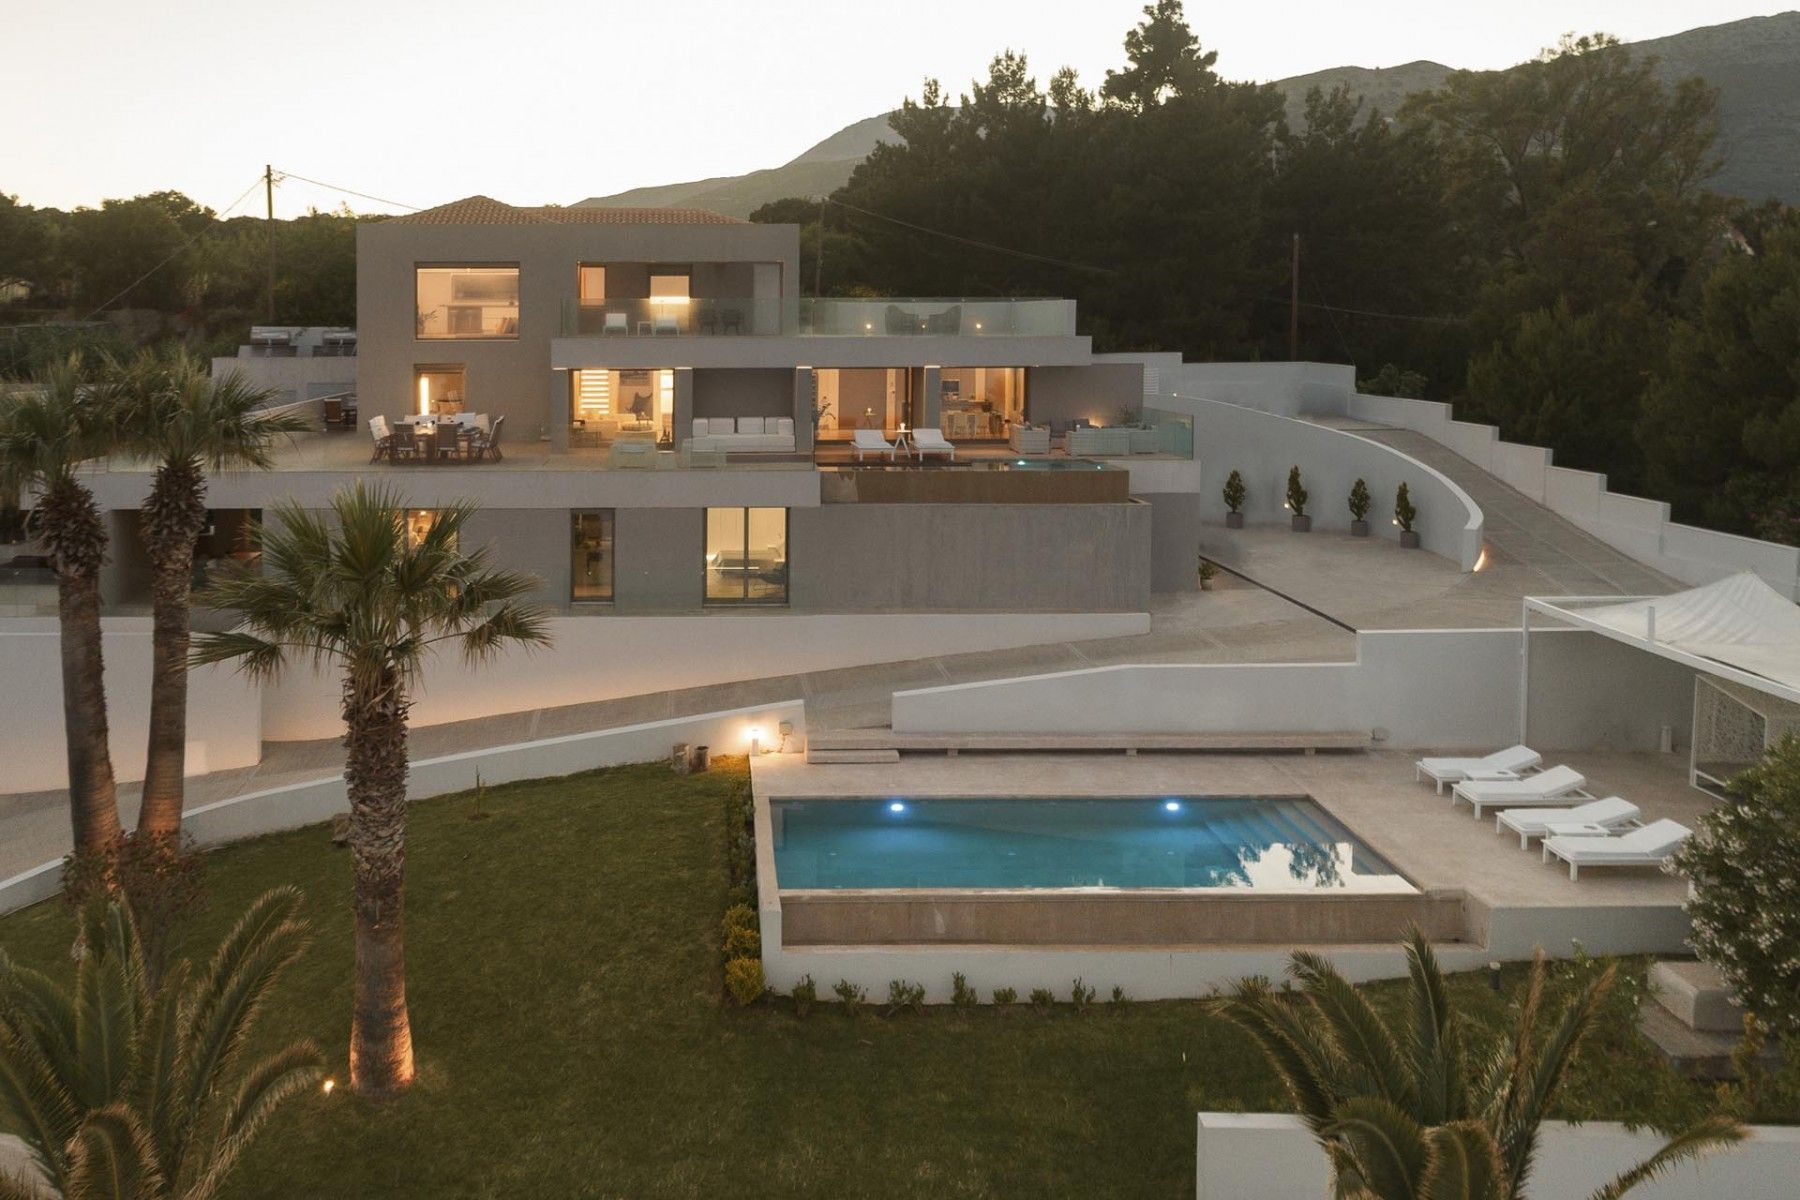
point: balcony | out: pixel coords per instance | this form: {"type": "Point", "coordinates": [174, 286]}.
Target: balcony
{"type": "Point", "coordinates": [827, 317]}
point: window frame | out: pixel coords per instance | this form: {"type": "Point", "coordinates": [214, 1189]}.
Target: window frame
{"type": "Point", "coordinates": [419, 335]}
{"type": "Point", "coordinates": [611, 516]}
{"type": "Point", "coordinates": [745, 600]}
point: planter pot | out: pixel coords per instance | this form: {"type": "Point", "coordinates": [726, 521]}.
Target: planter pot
{"type": "Point", "coordinates": [1302, 524]}
{"type": "Point", "coordinates": [1206, 585]}
{"type": "Point", "coordinates": [1359, 529]}
{"type": "Point", "coordinates": [1234, 520]}
{"type": "Point", "coordinates": [1409, 538]}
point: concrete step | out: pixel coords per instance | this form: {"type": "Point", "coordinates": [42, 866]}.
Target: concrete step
{"type": "Point", "coordinates": [1696, 995]}
{"type": "Point", "coordinates": [1695, 1053]}
{"type": "Point", "coordinates": [816, 755]}
{"type": "Point", "coordinates": [1130, 743]}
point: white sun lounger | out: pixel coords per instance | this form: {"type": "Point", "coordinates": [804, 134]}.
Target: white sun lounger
{"type": "Point", "coordinates": [1646, 847]}
{"type": "Point", "coordinates": [870, 441]}
{"type": "Point", "coordinates": [1542, 790]}
{"type": "Point", "coordinates": [1509, 763]}
{"type": "Point", "coordinates": [931, 441]}
{"type": "Point", "coordinates": [1610, 813]}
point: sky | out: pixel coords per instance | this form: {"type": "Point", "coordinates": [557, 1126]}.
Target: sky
{"type": "Point", "coordinates": [549, 101]}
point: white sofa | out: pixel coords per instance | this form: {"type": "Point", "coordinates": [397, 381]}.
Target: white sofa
{"type": "Point", "coordinates": [768, 434]}
{"type": "Point", "coordinates": [1026, 440]}
{"type": "Point", "coordinates": [1099, 442]}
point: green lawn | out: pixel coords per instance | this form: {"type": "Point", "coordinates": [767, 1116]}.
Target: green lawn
{"type": "Point", "coordinates": [573, 1039]}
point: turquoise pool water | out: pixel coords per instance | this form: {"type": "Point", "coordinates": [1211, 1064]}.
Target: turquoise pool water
{"type": "Point", "coordinates": [1238, 842]}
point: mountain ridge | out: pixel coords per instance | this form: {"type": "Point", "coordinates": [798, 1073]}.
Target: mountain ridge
{"type": "Point", "coordinates": [1754, 62]}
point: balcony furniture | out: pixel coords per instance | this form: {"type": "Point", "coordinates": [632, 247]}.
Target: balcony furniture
{"type": "Point", "coordinates": [769, 435]}
{"type": "Point", "coordinates": [405, 446]}
{"type": "Point", "coordinates": [900, 322]}
{"type": "Point", "coordinates": [492, 447]}
{"type": "Point", "coordinates": [1509, 763]}
{"type": "Point", "coordinates": [903, 442]}
{"type": "Point", "coordinates": [383, 437]}
{"type": "Point", "coordinates": [1546, 789]}
{"type": "Point", "coordinates": [932, 441]}
{"type": "Point", "coordinates": [1646, 847]}
{"type": "Point", "coordinates": [1028, 439]}
{"type": "Point", "coordinates": [1596, 818]}
{"type": "Point", "coordinates": [709, 319]}
{"type": "Point", "coordinates": [666, 323]}
{"type": "Point", "coordinates": [733, 320]}
{"type": "Point", "coordinates": [333, 409]}
{"type": "Point", "coordinates": [616, 322]}
{"type": "Point", "coordinates": [870, 441]}
{"type": "Point", "coordinates": [947, 322]}
{"type": "Point", "coordinates": [1096, 442]}
{"type": "Point", "coordinates": [632, 454]}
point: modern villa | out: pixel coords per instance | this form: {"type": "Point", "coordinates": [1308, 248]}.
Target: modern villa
{"type": "Point", "coordinates": [934, 563]}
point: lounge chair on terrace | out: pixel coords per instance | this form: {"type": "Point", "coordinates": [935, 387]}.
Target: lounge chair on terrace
{"type": "Point", "coordinates": [384, 438]}
{"type": "Point", "coordinates": [931, 441]}
{"type": "Point", "coordinates": [1509, 763]}
{"type": "Point", "coordinates": [870, 441]}
{"type": "Point", "coordinates": [1611, 813]}
{"type": "Point", "coordinates": [1542, 790]}
{"type": "Point", "coordinates": [1647, 847]}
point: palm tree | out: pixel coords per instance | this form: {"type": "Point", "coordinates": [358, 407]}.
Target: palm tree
{"type": "Point", "coordinates": [1419, 1112]}
{"type": "Point", "coordinates": [356, 592]}
{"type": "Point", "coordinates": [118, 1090]}
{"type": "Point", "coordinates": [174, 412]}
{"type": "Point", "coordinates": [47, 432]}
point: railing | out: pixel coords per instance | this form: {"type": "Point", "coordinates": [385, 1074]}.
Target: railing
{"type": "Point", "coordinates": [939, 316]}
{"type": "Point", "coordinates": [638, 317]}
{"type": "Point", "coordinates": [1174, 431]}
{"type": "Point", "coordinates": [828, 317]}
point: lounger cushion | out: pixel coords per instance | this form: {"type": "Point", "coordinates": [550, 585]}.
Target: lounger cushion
{"type": "Point", "coordinates": [783, 426]}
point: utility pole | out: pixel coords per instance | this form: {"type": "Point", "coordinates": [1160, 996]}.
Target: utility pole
{"type": "Point", "coordinates": [1294, 304]}
{"type": "Point", "coordinates": [269, 201]}
{"type": "Point", "coordinates": [819, 257]}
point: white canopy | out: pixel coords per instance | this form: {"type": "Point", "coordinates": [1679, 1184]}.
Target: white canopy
{"type": "Point", "coordinates": [1739, 622]}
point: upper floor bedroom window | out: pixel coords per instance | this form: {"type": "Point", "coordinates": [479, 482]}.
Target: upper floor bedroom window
{"type": "Point", "coordinates": [467, 302]}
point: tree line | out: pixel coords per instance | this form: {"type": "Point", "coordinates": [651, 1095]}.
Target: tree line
{"type": "Point", "coordinates": [1537, 244]}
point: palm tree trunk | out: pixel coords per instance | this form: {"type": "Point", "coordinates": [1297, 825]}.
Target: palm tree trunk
{"type": "Point", "coordinates": [174, 515]}
{"type": "Point", "coordinates": [76, 539]}
{"type": "Point", "coordinates": [381, 1054]}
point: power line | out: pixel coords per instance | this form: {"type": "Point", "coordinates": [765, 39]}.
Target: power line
{"type": "Point", "coordinates": [190, 240]}
{"type": "Point", "coordinates": [1043, 258]}
{"type": "Point", "coordinates": [348, 191]}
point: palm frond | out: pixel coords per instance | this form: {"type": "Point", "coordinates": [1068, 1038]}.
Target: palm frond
{"type": "Point", "coordinates": [1698, 1139]}
{"type": "Point", "coordinates": [1464, 1164]}
{"type": "Point", "coordinates": [112, 1159]}
{"type": "Point", "coordinates": [1386, 1146]}
{"type": "Point", "coordinates": [265, 1087]}
{"type": "Point", "coordinates": [36, 1105]}
{"type": "Point", "coordinates": [1303, 1058]}
{"type": "Point", "coordinates": [1367, 1043]}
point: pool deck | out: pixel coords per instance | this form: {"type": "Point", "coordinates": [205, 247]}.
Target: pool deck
{"type": "Point", "coordinates": [1513, 901]}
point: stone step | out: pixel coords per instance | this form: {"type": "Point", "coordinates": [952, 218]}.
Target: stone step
{"type": "Point", "coordinates": [852, 755]}
{"type": "Point", "coordinates": [1696, 1053]}
{"type": "Point", "coordinates": [1696, 995]}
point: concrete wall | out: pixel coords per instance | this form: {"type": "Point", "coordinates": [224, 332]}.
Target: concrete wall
{"type": "Point", "coordinates": [1288, 389]}
{"type": "Point", "coordinates": [301, 804]}
{"type": "Point", "coordinates": [760, 392]}
{"type": "Point", "coordinates": [1012, 557]}
{"type": "Point", "coordinates": [1425, 688]}
{"type": "Point", "coordinates": [534, 541]}
{"type": "Point", "coordinates": [1095, 393]}
{"type": "Point", "coordinates": [1273, 1156]}
{"type": "Point", "coordinates": [1263, 446]}
{"type": "Point", "coordinates": [1174, 540]}
{"type": "Point", "coordinates": [1631, 524]}
{"type": "Point", "coordinates": [224, 719]}
{"type": "Point", "coordinates": [661, 559]}
{"type": "Point", "coordinates": [604, 658]}
{"type": "Point", "coordinates": [294, 378]}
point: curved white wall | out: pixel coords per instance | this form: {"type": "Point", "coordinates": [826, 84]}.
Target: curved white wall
{"type": "Point", "coordinates": [1264, 445]}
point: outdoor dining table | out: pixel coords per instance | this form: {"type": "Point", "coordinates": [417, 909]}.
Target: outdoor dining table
{"type": "Point", "coordinates": [440, 435]}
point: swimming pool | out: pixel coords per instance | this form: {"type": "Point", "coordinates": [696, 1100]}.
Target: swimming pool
{"type": "Point", "coordinates": [1246, 843]}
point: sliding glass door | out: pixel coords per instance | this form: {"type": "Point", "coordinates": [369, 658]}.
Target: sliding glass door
{"type": "Point", "coordinates": [746, 556]}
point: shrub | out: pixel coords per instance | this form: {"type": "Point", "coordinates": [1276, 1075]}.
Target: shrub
{"type": "Point", "coordinates": [806, 994]}
{"type": "Point", "coordinates": [1296, 493]}
{"type": "Point", "coordinates": [1042, 997]}
{"type": "Point", "coordinates": [744, 980]}
{"type": "Point", "coordinates": [1006, 996]}
{"type": "Point", "coordinates": [851, 996]}
{"type": "Point", "coordinates": [1360, 501]}
{"type": "Point", "coordinates": [1234, 491]}
{"type": "Point", "coordinates": [905, 997]}
{"type": "Point", "coordinates": [1743, 860]}
{"type": "Point", "coordinates": [1404, 512]}
{"type": "Point", "coordinates": [742, 943]}
{"type": "Point", "coordinates": [1118, 995]}
{"type": "Point", "coordinates": [1081, 994]}
{"type": "Point", "coordinates": [1393, 381]}
{"type": "Point", "coordinates": [961, 994]}
{"type": "Point", "coordinates": [740, 837]}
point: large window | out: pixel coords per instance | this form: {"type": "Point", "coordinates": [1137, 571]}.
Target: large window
{"type": "Point", "coordinates": [467, 302]}
{"type": "Point", "coordinates": [746, 556]}
{"type": "Point", "coordinates": [979, 402]}
{"type": "Point", "coordinates": [438, 389]}
{"type": "Point", "coordinates": [591, 555]}
{"type": "Point", "coordinates": [419, 524]}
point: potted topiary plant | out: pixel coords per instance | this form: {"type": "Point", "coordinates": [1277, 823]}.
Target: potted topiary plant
{"type": "Point", "coordinates": [1404, 515]}
{"type": "Point", "coordinates": [1234, 500]}
{"type": "Point", "coordinates": [1296, 501]}
{"type": "Point", "coordinates": [1359, 509]}
{"type": "Point", "coordinates": [1209, 570]}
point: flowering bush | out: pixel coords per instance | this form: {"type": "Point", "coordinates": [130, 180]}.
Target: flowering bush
{"type": "Point", "coordinates": [1744, 861]}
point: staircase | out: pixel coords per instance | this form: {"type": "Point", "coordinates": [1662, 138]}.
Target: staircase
{"type": "Point", "coordinates": [1692, 1020]}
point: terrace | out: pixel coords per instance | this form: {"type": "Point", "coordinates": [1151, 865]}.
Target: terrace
{"type": "Point", "coordinates": [912, 316]}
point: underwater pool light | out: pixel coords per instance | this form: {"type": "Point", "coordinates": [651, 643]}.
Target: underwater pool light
{"type": "Point", "coordinates": [896, 807]}
{"type": "Point", "coordinates": [1171, 805]}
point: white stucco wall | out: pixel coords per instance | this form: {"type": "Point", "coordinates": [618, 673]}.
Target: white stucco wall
{"type": "Point", "coordinates": [224, 717]}
{"type": "Point", "coordinates": [1273, 1156]}
{"type": "Point", "coordinates": [606, 657]}
{"type": "Point", "coordinates": [1425, 688]}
